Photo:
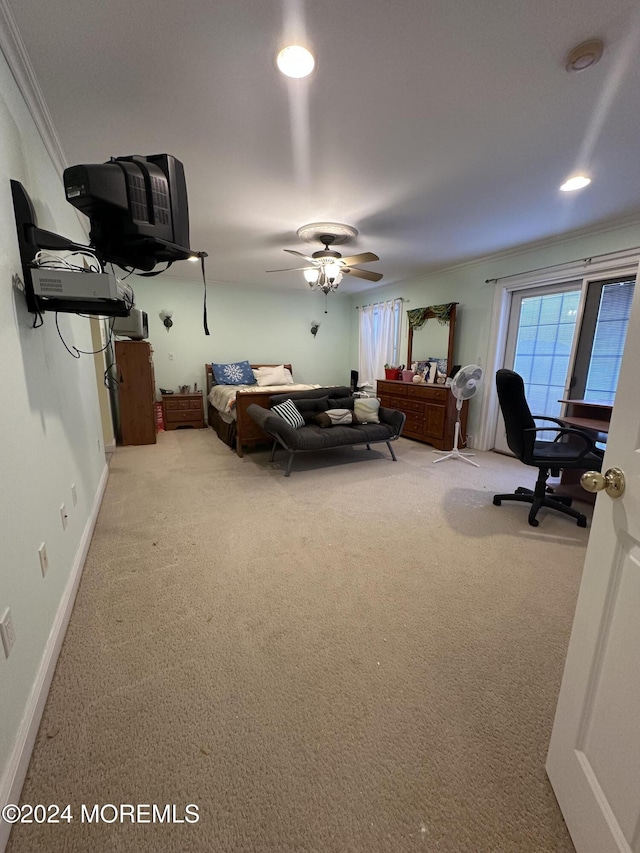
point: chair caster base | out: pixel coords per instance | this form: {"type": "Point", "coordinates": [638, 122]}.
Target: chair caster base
{"type": "Point", "coordinates": [560, 503]}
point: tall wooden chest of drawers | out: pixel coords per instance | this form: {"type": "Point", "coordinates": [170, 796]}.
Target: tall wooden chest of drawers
{"type": "Point", "coordinates": [136, 392]}
{"type": "Point", "coordinates": [430, 410]}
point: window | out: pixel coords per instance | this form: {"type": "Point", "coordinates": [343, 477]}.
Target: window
{"type": "Point", "coordinates": [604, 344]}
{"type": "Point", "coordinates": [543, 347]}
{"type": "Point", "coordinates": [380, 326]}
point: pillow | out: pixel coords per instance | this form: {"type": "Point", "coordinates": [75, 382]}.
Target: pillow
{"type": "Point", "coordinates": [318, 404]}
{"type": "Point", "coordinates": [236, 373]}
{"type": "Point", "coordinates": [366, 410]}
{"type": "Point", "coordinates": [322, 419]}
{"type": "Point", "coordinates": [288, 412]}
{"type": "Point", "coordinates": [335, 417]}
{"type": "Point", "coordinates": [279, 375]}
{"type": "Point", "coordinates": [341, 403]}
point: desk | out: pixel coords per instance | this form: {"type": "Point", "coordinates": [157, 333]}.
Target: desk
{"type": "Point", "coordinates": [593, 418]}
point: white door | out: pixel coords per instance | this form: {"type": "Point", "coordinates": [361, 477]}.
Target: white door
{"type": "Point", "coordinates": [594, 754]}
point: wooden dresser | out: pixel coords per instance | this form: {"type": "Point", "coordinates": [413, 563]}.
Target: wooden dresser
{"type": "Point", "coordinates": [183, 410]}
{"type": "Point", "coordinates": [136, 392]}
{"type": "Point", "coordinates": [430, 410]}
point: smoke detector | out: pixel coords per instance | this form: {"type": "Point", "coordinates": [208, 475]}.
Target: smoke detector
{"type": "Point", "coordinates": [584, 55]}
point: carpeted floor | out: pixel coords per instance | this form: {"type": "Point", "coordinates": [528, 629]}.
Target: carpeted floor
{"type": "Point", "coordinates": [365, 656]}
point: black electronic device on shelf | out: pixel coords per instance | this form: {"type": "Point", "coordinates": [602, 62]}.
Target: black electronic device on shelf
{"type": "Point", "coordinates": [139, 216]}
{"type": "Point", "coordinates": [137, 207]}
{"type": "Point", "coordinates": [31, 240]}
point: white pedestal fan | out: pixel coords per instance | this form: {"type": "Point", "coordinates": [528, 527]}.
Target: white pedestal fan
{"type": "Point", "coordinates": [464, 386]}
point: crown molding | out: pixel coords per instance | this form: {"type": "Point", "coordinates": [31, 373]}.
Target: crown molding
{"type": "Point", "coordinates": [545, 243]}
{"type": "Point", "coordinates": [15, 52]}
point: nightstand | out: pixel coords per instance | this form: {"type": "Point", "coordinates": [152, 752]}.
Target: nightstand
{"type": "Point", "coordinates": [183, 410]}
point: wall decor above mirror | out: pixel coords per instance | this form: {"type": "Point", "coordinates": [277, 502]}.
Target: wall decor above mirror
{"type": "Point", "coordinates": [431, 335]}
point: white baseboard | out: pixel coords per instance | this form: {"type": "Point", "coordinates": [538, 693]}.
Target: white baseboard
{"type": "Point", "coordinates": [14, 774]}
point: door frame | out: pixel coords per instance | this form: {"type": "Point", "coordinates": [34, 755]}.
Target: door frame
{"type": "Point", "coordinates": [621, 263]}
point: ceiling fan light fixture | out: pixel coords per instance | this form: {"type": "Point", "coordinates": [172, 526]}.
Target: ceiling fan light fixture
{"type": "Point", "coordinates": [327, 267]}
{"type": "Point", "coordinates": [333, 271]}
{"type": "Point", "coordinates": [327, 283]}
{"type": "Point", "coordinates": [326, 277]}
{"type": "Point", "coordinates": [295, 61]}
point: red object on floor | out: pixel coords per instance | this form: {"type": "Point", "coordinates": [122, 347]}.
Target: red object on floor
{"type": "Point", "coordinates": [159, 418]}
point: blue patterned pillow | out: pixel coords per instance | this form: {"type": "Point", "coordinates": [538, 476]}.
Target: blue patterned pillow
{"type": "Point", "coordinates": [237, 373]}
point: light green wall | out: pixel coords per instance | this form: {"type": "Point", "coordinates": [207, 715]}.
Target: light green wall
{"type": "Point", "coordinates": [49, 427]}
{"type": "Point", "coordinates": [270, 326]}
{"type": "Point", "coordinates": [466, 285]}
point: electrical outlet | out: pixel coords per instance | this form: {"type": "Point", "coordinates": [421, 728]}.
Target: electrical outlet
{"type": "Point", "coordinates": [44, 560]}
{"type": "Point", "coordinates": [170, 356]}
{"type": "Point", "coordinates": [64, 516]}
{"type": "Point", "coordinates": [7, 632]}
{"type": "Point", "coordinates": [74, 494]}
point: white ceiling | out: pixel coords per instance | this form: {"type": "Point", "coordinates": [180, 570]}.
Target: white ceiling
{"type": "Point", "coordinates": [440, 129]}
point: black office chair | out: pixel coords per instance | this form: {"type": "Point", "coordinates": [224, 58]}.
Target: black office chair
{"type": "Point", "coordinates": [578, 450]}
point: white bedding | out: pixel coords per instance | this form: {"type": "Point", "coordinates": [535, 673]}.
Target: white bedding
{"type": "Point", "coordinates": [223, 397]}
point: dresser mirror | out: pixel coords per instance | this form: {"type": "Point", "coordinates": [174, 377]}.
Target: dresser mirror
{"type": "Point", "coordinates": [433, 340]}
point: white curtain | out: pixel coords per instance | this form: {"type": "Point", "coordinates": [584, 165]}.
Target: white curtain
{"type": "Point", "coordinates": [377, 331]}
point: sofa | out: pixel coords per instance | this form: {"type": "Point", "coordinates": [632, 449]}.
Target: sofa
{"type": "Point", "coordinates": [312, 437]}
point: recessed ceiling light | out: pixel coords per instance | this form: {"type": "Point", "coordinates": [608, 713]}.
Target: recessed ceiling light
{"type": "Point", "coordinates": [577, 182]}
{"type": "Point", "coordinates": [295, 61]}
{"type": "Point", "coordinates": [584, 55]}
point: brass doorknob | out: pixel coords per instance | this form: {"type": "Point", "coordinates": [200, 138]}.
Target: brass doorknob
{"type": "Point", "coordinates": [612, 481]}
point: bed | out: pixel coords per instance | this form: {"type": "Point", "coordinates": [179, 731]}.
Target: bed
{"type": "Point", "coordinates": [227, 408]}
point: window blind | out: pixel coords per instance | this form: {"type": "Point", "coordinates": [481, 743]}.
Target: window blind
{"type": "Point", "coordinates": [608, 341]}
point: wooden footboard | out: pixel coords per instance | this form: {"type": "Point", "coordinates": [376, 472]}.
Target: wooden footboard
{"type": "Point", "coordinates": [248, 433]}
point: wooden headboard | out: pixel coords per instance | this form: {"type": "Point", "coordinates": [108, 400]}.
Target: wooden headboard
{"type": "Point", "coordinates": [211, 380]}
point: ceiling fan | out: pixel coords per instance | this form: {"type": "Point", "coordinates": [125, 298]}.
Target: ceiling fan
{"type": "Point", "coordinates": [327, 266]}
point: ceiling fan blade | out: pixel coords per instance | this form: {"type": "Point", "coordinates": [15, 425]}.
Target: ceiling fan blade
{"type": "Point", "coordinates": [300, 255]}
{"type": "Point", "coordinates": [364, 258]}
{"type": "Point", "coordinates": [291, 269]}
{"type": "Point", "coordinates": [370, 276]}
